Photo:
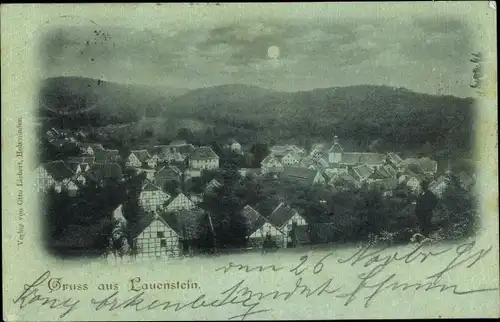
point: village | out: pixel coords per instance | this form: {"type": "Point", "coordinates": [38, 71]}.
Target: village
{"type": "Point", "coordinates": [171, 218]}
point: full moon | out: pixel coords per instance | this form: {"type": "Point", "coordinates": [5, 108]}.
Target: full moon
{"type": "Point", "coordinates": [273, 52]}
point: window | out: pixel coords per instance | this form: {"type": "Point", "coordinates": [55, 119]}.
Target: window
{"type": "Point", "coordinates": [163, 243]}
{"type": "Point", "coordinates": [160, 234]}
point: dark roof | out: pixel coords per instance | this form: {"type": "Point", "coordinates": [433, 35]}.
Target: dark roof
{"type": "Point", "coordinates": [298, 174]}
{"type": "Point", "coordinates": [363, 171]}
{"type": "Point", "coordinates": [390, 169]}
{"type": "Point", "coordinates": [106, 156]}
{"type": "Point", "coordinates": [185, 149]}
{"type": "Point", "coordinates": [88, 160]}
{"type": "Point", "coordinates": [415, 168]}
{"type": "Point", "coordinates": [73, 166]}
{"type": "Point", "coordinates": [380, 173]}
{"type": "Point", "coordinates": [281, 215]}
{"type": "Point", "coordinates": [58, 170]}
{"type": "Point", "coordinates": [250, 214]}
{"type": "Point", "coordinates": [254, 225]}
{"type": "Point", "coordinates": [350, 158]}
{"type": "Point", "coordinates": [371, 158]}
{"type": "Point", "coordinates": [143, 223]}
{"type": "Point", "coordinates": [426, 164]}
{"type": "Point", "coordinates": [203, 152]}
{"type": "Point", "coordinates": [101, 171]}
{"type": "Point", "coordinates": [169, 172]}
{"type": "Point", "coordinates": [142, 155]}
{"type": "Point", "coordinates": [386, 184]}
{"type": "Point", "coordinates": [178, 143]}
{"type": "Point", "coordinates": [59, 142]}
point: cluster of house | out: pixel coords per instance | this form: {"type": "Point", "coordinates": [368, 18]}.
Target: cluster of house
{"type": "Point", "coordinates": [340, 170]}
{"type": "Point", "coordinates": [172, 224]}
{"type": "Point", "coordinates": [168, 235]}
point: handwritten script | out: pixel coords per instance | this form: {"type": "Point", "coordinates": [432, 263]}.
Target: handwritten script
{"type": "Point", "coordinates": [376, 273]}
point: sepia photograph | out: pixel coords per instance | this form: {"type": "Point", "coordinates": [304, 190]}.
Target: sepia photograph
{"type": "Point", "coordinates": [255, 136]}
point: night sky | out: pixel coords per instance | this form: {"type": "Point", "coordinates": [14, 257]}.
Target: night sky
{"type": "Point", "coordinates": [296, 50]}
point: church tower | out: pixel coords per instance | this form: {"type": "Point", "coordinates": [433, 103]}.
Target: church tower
{"type": "Point", "coordinates": [335, 152]}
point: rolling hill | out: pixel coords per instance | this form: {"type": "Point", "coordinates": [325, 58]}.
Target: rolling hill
{"type": "Point", "coordinates": [360, 113]}
{"type": "Point", "coordinates": [74, 101]}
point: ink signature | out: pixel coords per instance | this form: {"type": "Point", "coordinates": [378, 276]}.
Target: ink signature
{"type": "Point", "coordinates": [374, 280]}
{"type": "Point", "coordinates": [33, 296]}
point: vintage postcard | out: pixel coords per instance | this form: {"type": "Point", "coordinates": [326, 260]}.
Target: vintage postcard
{"type": "Point", "coordinates": [249, 161]}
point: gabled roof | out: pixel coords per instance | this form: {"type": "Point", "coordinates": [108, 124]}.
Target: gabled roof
{"type": "Point", "coordinates": [149, 186]}
{"type": "Point", "coordinates": [254, 220]}
{"type": "Point", "coordinates": [168, 169]}
{"type": "Point", "coordinates": [363, 171]}
{"type": "Point", "coordinates": [142, 155]}
{"type": "Point", "coordinates": [213, 184]}
{"type": "Point", "coordinates": [203, 152]}
{"type": "Point", "coordinates": [281, 215]}
{"type": "Point", "coordinates": [336, 148]}
{"type": "Point", "coordinates": [94, 146]}
{"type": "Point", "coordinates": [269, 158]}
{"type": "Point", "coordinates": [323, 175]}
{"type": "Point", "coordinates": [344, 177]}
{"type": "Point", "coordinates": [250, 214]}
{"type": "Point", "coordinates": [101, 171]}
{"type": "Point", "coordinates": [58, 170]}
{"type": "Point", "coordinates": [147, 219]}
{"type": "Point", "coordinates": [179, 196]}
{"type": "Point", "coordinates": [73, 166]}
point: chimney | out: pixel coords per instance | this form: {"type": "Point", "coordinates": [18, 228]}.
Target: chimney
{"type": "Point", "coordinates": [335, 140]}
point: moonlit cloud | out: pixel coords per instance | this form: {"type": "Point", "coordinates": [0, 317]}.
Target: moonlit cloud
{"type": "Point", "coordinates": [417, 54]}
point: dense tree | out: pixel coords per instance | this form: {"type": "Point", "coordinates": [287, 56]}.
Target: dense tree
{"type": "Point", "coordinates": [259, 151]}
{"type": "Point", "coordinates": [186, 135]}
